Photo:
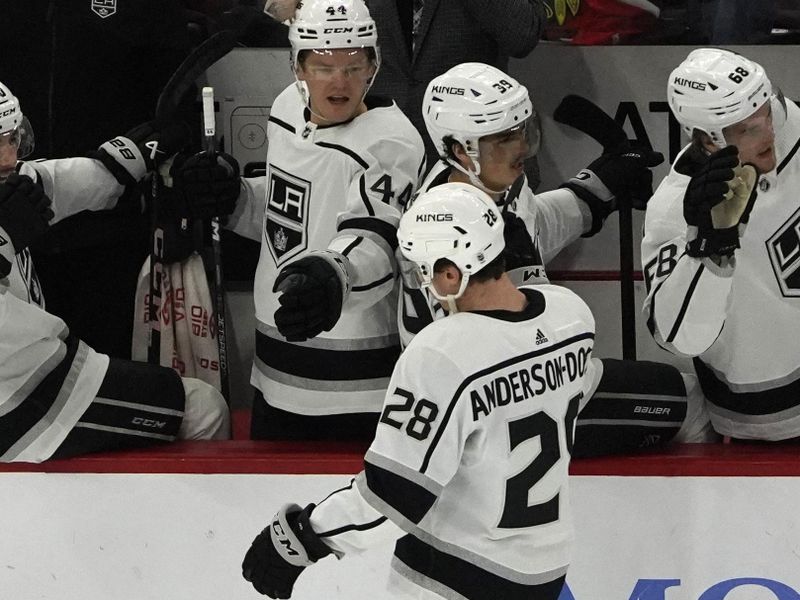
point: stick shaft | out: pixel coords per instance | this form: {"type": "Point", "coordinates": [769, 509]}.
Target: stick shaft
{"type": "Point", "coordinates": [209, 130]}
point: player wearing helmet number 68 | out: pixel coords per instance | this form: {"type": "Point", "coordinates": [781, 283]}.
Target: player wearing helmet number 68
{"type": "Point", "coordinates": [452, 464]}
{"type": "Point", "coordinates": [721, 252]}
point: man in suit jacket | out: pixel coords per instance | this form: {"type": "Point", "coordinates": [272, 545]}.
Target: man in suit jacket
{"type": "Point", "coordinates": [449, 32]}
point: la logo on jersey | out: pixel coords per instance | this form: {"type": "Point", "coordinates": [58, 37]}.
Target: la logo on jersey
{"type": "Point", "coordinates": [285, 222]}
{"type": "Point", "coordinates": [104, 8]}
{"type": "Point", "coordinates": [784, 253]}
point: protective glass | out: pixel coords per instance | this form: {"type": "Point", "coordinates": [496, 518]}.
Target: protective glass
{"type": "Point", "coordinates": [517, 143]}
{"type": "Point", "coordinates": [20, 138]}
{"type": "Point", "coordinates": [361, 69]}
{"type": "Point", "coordinates": [763, 123]}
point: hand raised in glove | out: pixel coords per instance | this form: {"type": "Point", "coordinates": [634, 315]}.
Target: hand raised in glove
{"type": "Point", "coordinates": [622, 174]}
{"type": "Point", "coordinates": [25, 211]}
{"type": "Point", "coordinates": [282, 551]}
{"type": "Point", "coordinates": [206, 185]}
{"type": "Point", "coordinates": [313, 290]}
{"type": "Point", "coordinates": [129, 157]}
{"type": "Point", "coordinates": [520, 250]}
{"type": "Point", "coordinates": [718, 200]}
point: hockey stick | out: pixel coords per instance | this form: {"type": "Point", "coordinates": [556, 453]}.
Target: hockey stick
{"type": "Point", "coordinates": [209, 127]}
{"type": "Point", "coordinates": [156, 273]}
{"type": "Point", "coordinates": [192, 67]}
{"type": "Point", "coordinates": [587, 117]}
{"type": "Point", "coordinates": [181, 81]}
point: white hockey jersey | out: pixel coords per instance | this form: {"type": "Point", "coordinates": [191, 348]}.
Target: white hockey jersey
{"type": "Point", "coordinates": [73, 185]}
{"type": "Point", "coordinates": [339, 188]}
{"type": "Point", "coordinates": [553, 220]}
{"type": "Point", "coordinates": [740, 321]}
{"type": "Point", "coordinates": [47, 380]}
{"type": "Point", "coordinates": [471, 454]}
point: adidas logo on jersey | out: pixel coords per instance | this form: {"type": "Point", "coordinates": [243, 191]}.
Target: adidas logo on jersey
{"type": "Point", "coordinates": [3, 241]}
{"type": "Point", "coordinates": [541, 338]}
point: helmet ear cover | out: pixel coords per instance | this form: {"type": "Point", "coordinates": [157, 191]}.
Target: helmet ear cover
{"type": "Point", "coordinates": [713, 89]}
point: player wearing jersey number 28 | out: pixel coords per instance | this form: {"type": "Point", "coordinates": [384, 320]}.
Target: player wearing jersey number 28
{"type": "Point", "coordinates": [471, 454]}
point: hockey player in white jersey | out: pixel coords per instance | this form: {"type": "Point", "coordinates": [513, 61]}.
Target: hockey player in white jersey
{"type": "Point", "coordinates": [483, 138]}
{"type": "Point", "coordinates": [720, 251]}
{"type": "Point", "coordinates": [58, 397]}
{"type": "Point", "coordinates": [77, 184]}
{"type": "Point", "coordinates": [471, 454]}
{"type": "Point", "coordinates": [339, 166]}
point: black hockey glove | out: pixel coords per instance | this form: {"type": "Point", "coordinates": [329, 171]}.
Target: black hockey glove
{"type": "Point", "coordinates": [313, 291]}
{"type": "Point", "coordinates": [25, 211]}
{"type": "Point", "coordinates": [282, 551]}
{"type": "Point", "coordinates": [718, 200]}
{"type": "Point", "coordinates": [207, 185]}
{"type": "Point", "coordinates": [520, 250]}
{"type": "Point", "coordinates": [620, 175]}
{"type": "Point", "coordinates": [142, 149]}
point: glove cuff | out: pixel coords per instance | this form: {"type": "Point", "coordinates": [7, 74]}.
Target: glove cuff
{"type": "Point", "coordinates": [314, 546]}
{"type": "Point", "coordinates": [592, 183]}
{"type": "Point", "coordinates": [286, 543]}
{"type": "Point", "coordinates": [294, 539]}
{"type": "Point", "coordinates": [714, 242]}
{"type": "Point", "coordinates": [340, 264]}
{"type": "Point", "coordinates": [599, 208]}
{"type": "Point", "coordinates": [123, 159]}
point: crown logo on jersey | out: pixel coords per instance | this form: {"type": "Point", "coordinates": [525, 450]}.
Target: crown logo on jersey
{"type": "Point", "coordinates": [104, 8]}
{"type": "Point", "coordinates": [280, 240]}
{"type": "Point", "coordinates": [541, 338]}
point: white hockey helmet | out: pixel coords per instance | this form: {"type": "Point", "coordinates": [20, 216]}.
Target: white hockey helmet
{"type": "Point", "coordinates": [473, 100]}
{"type": "Point", "coordinates": [14, 124]}
{"type": "Point", "coordinates": [330, 25]}
{"type": "Point", "coordinates": [714, 88]}
{"type": "Point", "coordinates": [456, 221]}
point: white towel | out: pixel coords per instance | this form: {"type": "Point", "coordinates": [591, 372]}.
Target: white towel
{"type": "Point", "coordinates": [186, 321]}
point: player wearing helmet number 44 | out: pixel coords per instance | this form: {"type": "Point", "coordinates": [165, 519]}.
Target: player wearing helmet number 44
{"type": "Point", "coordinates": [721, 252]}
{"type": "Point", "coordinates": [444, 439]}
{"type": "Point", "coordinates": [340, 164]}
